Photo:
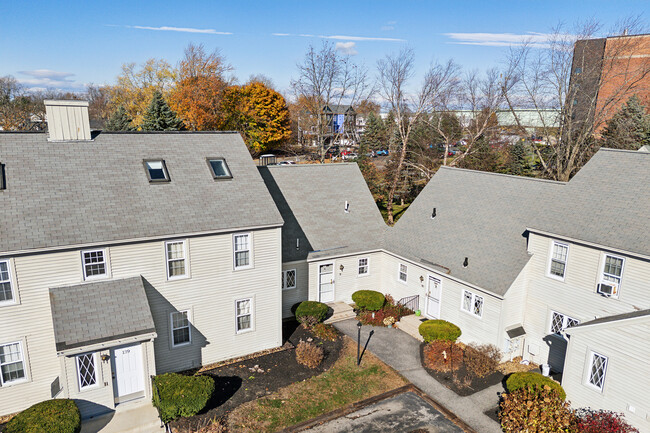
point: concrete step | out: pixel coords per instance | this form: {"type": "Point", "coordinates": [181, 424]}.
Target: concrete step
{"type": "Point", "coordinates": [342, 311]}
{"type": "Point", "coordinates": [133, 417]}
{"type": "Point", "coordinates": [410, 325]}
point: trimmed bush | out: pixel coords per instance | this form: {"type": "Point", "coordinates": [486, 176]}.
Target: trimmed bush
{"type": "Point", "coordinates": [533, 381]}
{"type": "Point", "coordinates": [482, 360]}
{"type": "Point", "coordinates": [539, 410]}
{"type": "Point", "coordinates": [180, 395]}
{"type": "Point", "coordinates": [309, 354]}
{"type": "Point", "coordinates": [368, 300]}
{"type": "Point", "coordinates": [309, 313]}
{"type": "Point", "coordinates": [52, 416]}
{"type": "Point", "coordinates": [432, 330]}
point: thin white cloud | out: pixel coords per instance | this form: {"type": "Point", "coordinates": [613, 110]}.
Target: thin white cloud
{"type": "Point", "coordinates": [46, 78]}
{"type": "Point", "coordinates": [178, 29]}
{"type": "Point", "coordinates": [280, 34]}
{"type": "Point", "coordinates": [347, 48]}
{"type": "Point", "coordinates": [500, 39]}
{"type": "Point", "coordinates": [387, 28]}
{"type": "Point", "coordinates": [342, 37]}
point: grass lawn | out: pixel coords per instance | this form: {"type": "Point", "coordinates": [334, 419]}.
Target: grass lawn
{"type": "Point", "coordinates": [341, 385]}
{"type": "Point", "coordinates": [397, 210]}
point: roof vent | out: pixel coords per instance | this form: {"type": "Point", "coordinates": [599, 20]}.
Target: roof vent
{"type": "Point", "coordinates": [347, 207]}
{"type": "Point", "coordinates": [433, 214]}
{"type": "Point", "coordinates": [297, 243]}
{"type": "Point", "coordinates": [67, 120]}
{"type": "Point", "coordinates": [465, 262]}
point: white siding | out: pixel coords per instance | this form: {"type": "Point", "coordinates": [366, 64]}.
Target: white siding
{"type": "Point", "coordinates": [300, 293]}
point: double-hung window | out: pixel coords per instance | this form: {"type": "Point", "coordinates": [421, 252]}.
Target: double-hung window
{"type": "Point", "coordinates": [87, 370]}
{"type": "Point", "coordinates": [289, 279]}
{"type": "Point", "coordinates": [181, 334]}
{"type": "Point", "coordinates": [242, 250]}
{"type": "Point", "coordinates": [94, 264]}
{"type": "Point", "coordinates": [402, 272]}
{"type": "Point", "coordinates": [611, 276]}
{"type": "Point", "coordinates": [363, 267]}
{"type": "Point", "coordinates": [560, 322]}
{"type": "Point", "coordinates": [559, 254]}
{"type": "Point", "coordinates": [244, 315]}
{"type": "Point", "coordinates": [176, 263]}
{"type": "Point", "coordinates": [12, 363]}
{"type": "Point", "coordinates": [597, 370]}
{"type": "Point", "coordinates": [472, 303]}
{"type": "Point", "coordinates": [6, 290]}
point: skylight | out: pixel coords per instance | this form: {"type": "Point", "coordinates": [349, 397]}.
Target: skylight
{"type": "Point", "coordinates": [156, 170]}
{"type": "Point", "coordinates": [219, 168]}
{"type": "Point", "coordinates": [3, 184]}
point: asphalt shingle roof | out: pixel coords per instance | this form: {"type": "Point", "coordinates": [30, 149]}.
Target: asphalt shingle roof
{"type": "Point", "coordinates": [70, 193]}
{"type": "Point", "coordinates": [614, 318]}
{"type": "Point", "coordinates": [311, 199]}
{"type": "Point", "coordinates": [607, 203]}
{"type": "Point", "coordinates": [93, 313]}
{"type": "Point", "coordinates": [481, 216]}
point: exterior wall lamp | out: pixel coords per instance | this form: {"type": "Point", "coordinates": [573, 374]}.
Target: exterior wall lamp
{"type": "Point", "coordinates": [341, 268]}
{"type": "Point", "coordinates": [105, 357]}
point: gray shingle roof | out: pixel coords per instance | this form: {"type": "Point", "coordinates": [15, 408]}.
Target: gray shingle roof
{"type": "Point", "coordinates": [614, 318]}
{"type": "Point", "coordinates": [607, 203]}
{"type": "Point", "coordinates": [311, 199]}
{"type": "Point", "coordinates": [479, 215]}
{"type": "Point", "coordinates": [98, 312]}
{"type": "Point", "coordinates": [70, 193]}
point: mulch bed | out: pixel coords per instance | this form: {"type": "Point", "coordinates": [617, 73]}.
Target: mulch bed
{"type": "Point", "coordinates": [249, 379]}
{"type": "Point", "coordinates": [474, 384]}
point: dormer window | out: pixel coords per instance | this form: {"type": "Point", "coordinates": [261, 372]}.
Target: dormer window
{"type": "Point", "coordinates": [219, 168]}
{"type": "Point", "coordinates": [156, 170]}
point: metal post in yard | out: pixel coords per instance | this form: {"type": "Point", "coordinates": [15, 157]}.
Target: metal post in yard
{"type": "Point", "coordinates": [358, 343]}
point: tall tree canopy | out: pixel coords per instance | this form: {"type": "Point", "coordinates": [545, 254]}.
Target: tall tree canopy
{"type": "Point", "coordinates": [159, 117]}
{"type": "Point", "coordinates": [629, 128]}
{"type": "Point", "coordinates": [119, 121]}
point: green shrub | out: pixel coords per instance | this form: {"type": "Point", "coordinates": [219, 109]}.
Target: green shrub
{"type": "Point", "coordinates": [52, 416]}
{"type": "Point", "coordinates": [532, 380]}
{"type": "Point", "coordinates": [309, 313]}
{"type": "Point", "coordinates": [180, 395]}
{"type": "Point", "coordinates": [368, 300]}
{"type": "Point", "coordinates": [432, 330]}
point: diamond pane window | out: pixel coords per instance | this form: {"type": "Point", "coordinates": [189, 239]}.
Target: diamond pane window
{"type": "Point", "coordinates": [363, 266]}
{"type": "Point", "coordinates": [156, 170]}
{"type": "Point", "coordinates": [402, 272]}
{"type": "Point", "coordinates": [86, 370]}
{"type": "Point", "coordinates": [219, 168]}
{"type": "Point", "coordinates": [94, 263]}
{"type": "Point", "coordinates": [12, 365]}
{"type": "Point", "coordinates": [180, 328]}
{"type": "Point", "coordinates": [243, 314]}
{"type": "Point", "coordinates": [289, 279]}
{"type": "Point", "coordinates": [560, 322]}
{"type": "Point", "coordinates": [472, 304]}
{"type": "Point", "coordinates": [6, 292]}
{"type": "Point", "coordinates": [467, 301]}
{"type": "Point", "coordinates": [478, 306]}
{"type": "Point", "coordinates": [175, 259]}
{"type": "Point", "coordinates": [242, 251]}
{"type": "Point", "coordinates": [597, 370]}
{"type": "Point", "coordinates": [558, 259]}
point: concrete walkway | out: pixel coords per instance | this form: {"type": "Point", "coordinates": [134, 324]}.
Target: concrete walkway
{"type": "Point", "coordinates": [402, 352]}
{"type": "Point", "coordinates": [132, 417]}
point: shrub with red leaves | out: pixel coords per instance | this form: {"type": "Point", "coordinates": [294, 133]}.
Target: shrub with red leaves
{"type": "Point", "coordinates": [443, 356]}
{"type": "Point", "coordinates": [602, 421]}
{"type": "Point", "coordinates": [390, 309]}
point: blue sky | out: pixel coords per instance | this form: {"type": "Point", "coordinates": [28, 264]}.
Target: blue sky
{"type": "Point", "coordinates": [66, 44]}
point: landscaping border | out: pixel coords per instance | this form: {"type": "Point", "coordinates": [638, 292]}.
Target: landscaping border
{"type": "Point", "coordinates": [353, 407]}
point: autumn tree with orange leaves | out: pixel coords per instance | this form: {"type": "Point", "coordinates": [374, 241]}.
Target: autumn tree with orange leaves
{"type": "Point", "coordinates": [259, 113]}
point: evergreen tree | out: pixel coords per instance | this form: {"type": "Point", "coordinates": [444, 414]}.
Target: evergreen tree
{"type": "Point", "coordinates": [518, 164]}
{"type": "Point", "coordinates": [374, 137]}
{"type": "Point", "coordinates": [119, 121]}
{"type": "Point", "coordinates": [159, 117]}
{"type": "Point", "coordinates": [629, 128]}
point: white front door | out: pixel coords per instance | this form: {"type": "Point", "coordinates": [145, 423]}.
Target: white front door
{"type": "Point", "coordinates": [128, 375]}
{"type": "Point", "coordinates": [326, 282]}
{"type": "Point", "coordinates": [434, 291]}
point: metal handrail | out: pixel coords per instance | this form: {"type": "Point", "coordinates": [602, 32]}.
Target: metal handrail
{"type": "Point", "coordinates": [410, 302]}
{"type": "Point", "coordinates": [154, 389]}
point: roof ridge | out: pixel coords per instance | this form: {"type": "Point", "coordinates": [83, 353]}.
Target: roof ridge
{"type": "Point", "coordinates": [511, 176]}
{"type": "Point", "coordinates": [635, 152]}
{"type": "Point", "coordinates": [330, 164]}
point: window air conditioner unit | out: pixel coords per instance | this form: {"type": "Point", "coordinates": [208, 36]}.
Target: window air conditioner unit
{"type": "Point", "coordinates": [608, 289]}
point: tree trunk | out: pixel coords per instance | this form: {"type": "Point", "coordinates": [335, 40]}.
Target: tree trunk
{"type": "Point", "coordinates": [393, 185]}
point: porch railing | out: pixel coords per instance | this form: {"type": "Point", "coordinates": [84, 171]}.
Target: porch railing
{"type": "Point", "coordinates": [410, 302]}
{"type": "Point", "coordinates": [156, 397]}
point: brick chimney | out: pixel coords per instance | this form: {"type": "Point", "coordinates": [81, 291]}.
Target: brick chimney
{"type": "Point", "coordinates": [67, 120]}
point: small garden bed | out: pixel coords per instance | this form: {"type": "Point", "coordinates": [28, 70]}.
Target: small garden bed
{"type": "Point", "coordinates": [385, 315]}
{"type": "Point", "coordinates": [252, 378]}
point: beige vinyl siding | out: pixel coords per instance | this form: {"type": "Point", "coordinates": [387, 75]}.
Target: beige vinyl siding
{"type": "Point", "coordinates": [513, 309]}
{"type": "Point", "coordinates": [575, 296]}
{"type": "Point", "coordinates": [300, 293]}
{"type": "Point", "coordinates": [626, 380]}
{"type": "Point", "coordinates": [94, 400]}
{"type": "Point", "coordinates": [210, 293]}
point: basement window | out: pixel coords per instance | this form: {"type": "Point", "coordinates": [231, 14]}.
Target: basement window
{"type": "Point", "coordinates": [156, 170]}
{"type": "Point", "coordinates": [219, 168]}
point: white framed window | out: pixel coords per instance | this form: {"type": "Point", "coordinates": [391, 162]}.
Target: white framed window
{"type": "Point", "coordinates": [94, 264]}
{"type": "Point", "coordinates": [12, 363]}
{"type": "Point", "coordinates": [597, 371]}
{"type": "Point", "coordinates": [242, 250]}
{"type": "Point", "coordinates": [244, 315]}
{"type": "Point", "coordinates": [403, 269]}
{"type": "Point", "coordinates": [180, 325]}
{"type": "Point", "coordinates": [363, 266]}
{"type": "Point", "coordinates": [6, 288]}
{"type": "Point", "coordinates": [558, 261]}
{"type": "Point", "coordinates": [87, 374]}
{"type": "Point", "coordinates": [289, 279]}
{"type": "Point", "coordinates": [175, 254]}
{"type": "Point", "coordinates": [156, 170]}
{"type": "Point", "coordinates": [611, 276]}
{"type": "Point", "coordinates": [560, 322]}
{"type": "Point", "coordinates": [472, 303]}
